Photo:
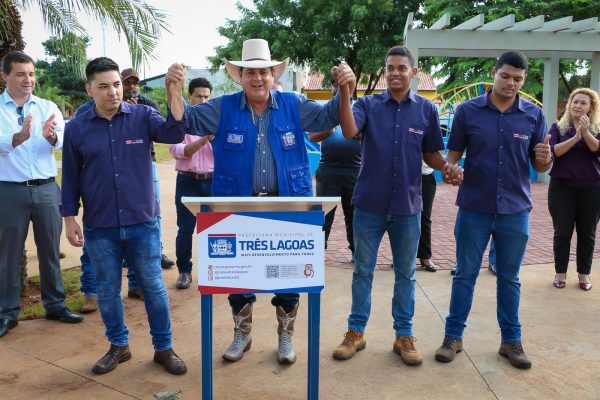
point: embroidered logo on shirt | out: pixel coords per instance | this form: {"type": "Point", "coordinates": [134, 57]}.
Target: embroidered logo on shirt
{"type": "Point", "coordinates": [288, 139]}
{"type": "Point", "coordinates": [520, 136]}
{"type": "Point", "coordinates": [235, 138]}
{"type": "Point", "coordinates": [134, 141]}
{"type": "Point", "coordinates": [415, 130]}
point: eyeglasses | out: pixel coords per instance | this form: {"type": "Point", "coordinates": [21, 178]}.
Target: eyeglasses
{"type": "Point", "coordinates": [21, 116]}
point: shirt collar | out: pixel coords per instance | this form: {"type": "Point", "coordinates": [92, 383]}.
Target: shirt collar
{"type": "Point", "coordinates": [6, 99]}
{"type": "Point", "coordinates": [484, 101]}
{"type": "Point", "coordinates": [387, 96]}
{"type": "Point", "coordinates": [124, 107]}
{"type": "Point", "coordinates": [272, 101]}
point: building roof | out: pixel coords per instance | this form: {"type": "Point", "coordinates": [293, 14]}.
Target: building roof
{"type": "Point", "coordinates": [315, 83]}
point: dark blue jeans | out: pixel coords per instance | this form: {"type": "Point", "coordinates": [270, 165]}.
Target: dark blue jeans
{"type": "Point", "coordinates": [88, 275]}
{"type": "Point", "coordinates": [287, 301]}
{"type": "Point", "coordinates": [140, 245]}
{"type": "Point", "coordinates": [187, 186]}
{"type": "Point", "coordinates": [472, 231]}
{"type": "Point", "coordinates": [403, 232]}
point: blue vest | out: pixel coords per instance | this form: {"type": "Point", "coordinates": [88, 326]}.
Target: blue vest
{"type": "Point", "coordinates": [234, 147]}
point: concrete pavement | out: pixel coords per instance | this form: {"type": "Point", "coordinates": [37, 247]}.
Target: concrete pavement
{"type": "Point", "coordinates": [48, 360]}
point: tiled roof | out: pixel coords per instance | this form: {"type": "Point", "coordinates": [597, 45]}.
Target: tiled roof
{"type": "Point", "coordinates": [315, 83]}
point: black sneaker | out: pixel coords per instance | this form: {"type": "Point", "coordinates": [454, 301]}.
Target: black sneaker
{"type": "Point", "coordinates": [166, 262]}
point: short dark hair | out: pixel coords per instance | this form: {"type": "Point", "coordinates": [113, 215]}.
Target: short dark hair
{"type": "Point", "coordinates": [14, 56]}
{"type": "Point", "coordinates": [401, 51]}
{"type": "Point", "coordinates": [100, 64]}
{"type": "Point", "coordinates": [199, 82]}
{"type": "Point", "coordinates": [513, 58]}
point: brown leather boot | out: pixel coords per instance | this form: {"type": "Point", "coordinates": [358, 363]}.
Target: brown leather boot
{"type": "Point", "coordinates": [90, 304]}
{"type": "Point", "coordinates": [172, 362]}
{"type": "Point", "coordinates": [405, 346]}
{"type": "Point", "coordinates": [515, 354]}
{"type": "Point", "coordinates": [242, 338]}
{"type": "Point", "coordinates": [353, 342]}
{"type": "Point", "coordinates": [285, 330]}
{"type": "Point", "coordinates": [114, 356]}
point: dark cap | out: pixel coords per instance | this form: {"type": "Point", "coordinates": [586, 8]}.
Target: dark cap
{"type": "Point", "coordinates": [129, 73]}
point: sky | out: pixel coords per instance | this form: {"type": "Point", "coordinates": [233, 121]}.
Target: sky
{"type": "Point", "coordinates": [194, 34]}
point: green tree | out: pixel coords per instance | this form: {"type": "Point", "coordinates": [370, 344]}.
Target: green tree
{"type": "Point", "coordinates": [460, 71]}
{"type": "Point", "coordinates": [59, 74]}
{"type": "Point", "coordinates": [322, 33]}
{"type": "Point", "coordinates": [136, 20]}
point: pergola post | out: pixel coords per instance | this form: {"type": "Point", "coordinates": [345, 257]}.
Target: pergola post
{"type": "Point", "coordinates": [550, 99]}
{"type": "Point", "coordinates": [414, 83]}
{"type": "Point", "coordinates": [595, 81]}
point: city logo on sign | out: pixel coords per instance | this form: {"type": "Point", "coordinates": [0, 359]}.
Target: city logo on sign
{"type": "Point", "coordinates": [221, 245]}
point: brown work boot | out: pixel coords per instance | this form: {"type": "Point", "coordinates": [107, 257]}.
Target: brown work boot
{"type": "Point", "coordinates": [135, 293]}
{"type": "Point", "coordinates": [90, 304]}
{"type": "Point", "coordinates": [353, 342]}
{"type": "Point", "coordinates": [114, 356]}
{"type": "Point", "coordinates": [285, 330]}
{"type": "Point", "coordinates": [405, 346]}
{"type": "Point", "coordinates": [515, 354]}
{"type": "Point", "coordinates": [242, 337]}
{"type": "Point", "coordinates": [448, 349]}
{"type": "Point", "coordinates": [172, 362]}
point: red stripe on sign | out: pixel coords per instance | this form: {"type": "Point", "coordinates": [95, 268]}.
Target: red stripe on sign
{"type": "Point", "coordinates": [224, 290]}
{"type": "Point", "coordinates": [221, 234]}
{"type": "Point", "coordinates": [205, 220]}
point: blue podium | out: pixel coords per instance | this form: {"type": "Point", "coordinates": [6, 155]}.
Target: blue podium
{"type": "Point", "coordinates": [285, 232]}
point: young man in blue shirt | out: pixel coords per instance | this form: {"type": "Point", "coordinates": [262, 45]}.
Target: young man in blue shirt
{"type": "Point", "coordinates": [399, 130]}
{"type": "Point", "coordinates": [107, 163]}
{"type": "Point", "coordinates": [501, 133]}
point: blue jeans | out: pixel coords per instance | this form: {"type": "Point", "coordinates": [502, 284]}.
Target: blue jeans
{"type": "Point", "coordinates": [472, 231]}
{"type": "Point", "coordinates": [492, 253]}
{"type": "Point", "coordinates": [139, 245]}
{"type": "Point", "coordinates": [157, 197]}
{"type": "Point", "coordinates": [187, 186]}
{"type": "Point", "coordinates": [403, 232]}
{"type": "Point", "coordinates": [88, 275]}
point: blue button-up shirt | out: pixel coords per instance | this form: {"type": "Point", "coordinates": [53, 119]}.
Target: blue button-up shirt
{"type": "Point", "coordinates": [204, 119]}
{"type": "Point", "coordinates": [498, 148]}
{"type": "Point", "coordinates": [108, 164]}
{"type": "Point", "coordinates": [395, 136]}
{"type": "Point", "coordinates": [32, 159]}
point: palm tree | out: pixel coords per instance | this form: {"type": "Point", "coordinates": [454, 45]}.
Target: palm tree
{"type": "Point", "coordinates": [140, 24]}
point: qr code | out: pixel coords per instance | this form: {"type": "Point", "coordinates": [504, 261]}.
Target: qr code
{"type": "Point", "coordinates": [272, 271]}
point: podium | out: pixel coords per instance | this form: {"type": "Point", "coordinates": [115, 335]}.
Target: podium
{"type": "Point", "coordinates": [248, 245]}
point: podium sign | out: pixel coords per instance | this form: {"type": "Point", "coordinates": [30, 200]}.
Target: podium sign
{"type": "Point", "coordinates": [254, 252]}
{"type": "Point", "coordinates": [261, 244]}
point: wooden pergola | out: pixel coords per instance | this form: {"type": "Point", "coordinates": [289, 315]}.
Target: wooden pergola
{"type": "Point", "coordinates": [535, 37]}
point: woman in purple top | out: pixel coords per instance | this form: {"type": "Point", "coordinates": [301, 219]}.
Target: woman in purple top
{"type": "Point", "coordinates": [574, 192]}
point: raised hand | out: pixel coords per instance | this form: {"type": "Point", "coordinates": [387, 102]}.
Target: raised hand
{"type": "Point", "coordinates": [175, 73]}
{"type": "Point", "coordinates": [49, 126]}
{"type": "Point", "coordinates": [543, 154]}
{"type": "Point", "coordinates": [345, 76]}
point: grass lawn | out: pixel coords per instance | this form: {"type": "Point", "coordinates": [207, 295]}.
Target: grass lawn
{"type": "Point", "coordinates": [31, 302]}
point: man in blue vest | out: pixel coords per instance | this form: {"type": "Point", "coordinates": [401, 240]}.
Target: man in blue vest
{"type": "Point", "coordinates": [259, 150]}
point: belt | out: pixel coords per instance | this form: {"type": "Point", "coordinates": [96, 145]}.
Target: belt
{"type": "Point", "coordinates": [199, 177]}
{"type": "Point", "coordinates": [266, 194]}
{"type": "Point", "coordinates": [33, 182]}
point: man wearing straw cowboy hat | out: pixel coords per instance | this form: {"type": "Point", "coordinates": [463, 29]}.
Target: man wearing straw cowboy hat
{"type": "Point", "coordinates": [259, 150]}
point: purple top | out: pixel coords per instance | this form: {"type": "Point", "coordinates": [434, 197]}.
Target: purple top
{"type": "Point", "coordinates": [577, 167]}
{"type": "Point", "coordinates": [395, 136]}
{"type": "Point", "coordinates": [499, 146]}
{"type": "Point", "coordinates": [108, 164]}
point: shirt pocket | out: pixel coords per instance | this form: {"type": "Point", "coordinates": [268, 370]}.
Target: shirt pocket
{"type": "Point", "coordinates": [299, 180]}
{"type": "Point", "coordinates": [413, 137]}
{"type": "Point", "coordinates": [287, 137]}
{"type": "Point", "coordinates": [223, 184]}
{"type": "Point", "coordinates": [235, 139]}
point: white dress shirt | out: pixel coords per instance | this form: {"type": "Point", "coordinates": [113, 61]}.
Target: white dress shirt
{"type": "Point", "coordinates": [32, 159]}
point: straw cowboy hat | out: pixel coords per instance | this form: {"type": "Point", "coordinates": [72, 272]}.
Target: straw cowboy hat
{"type": "Point", "coordinates": [255, 54]}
